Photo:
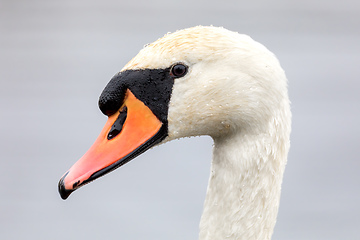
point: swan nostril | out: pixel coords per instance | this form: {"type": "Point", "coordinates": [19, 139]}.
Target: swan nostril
{"type": "Point", "coordinates": [118, 124]}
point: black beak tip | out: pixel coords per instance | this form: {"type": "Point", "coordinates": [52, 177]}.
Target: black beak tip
{"type": "Point", "coordinates": [64, 193]}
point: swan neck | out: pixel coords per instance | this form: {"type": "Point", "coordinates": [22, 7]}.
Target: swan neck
{"type": "Point", "coordinates": [244, 187]}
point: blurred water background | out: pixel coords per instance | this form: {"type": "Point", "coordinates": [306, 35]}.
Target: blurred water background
{"type": "Point", "coordinates": [57, 56]}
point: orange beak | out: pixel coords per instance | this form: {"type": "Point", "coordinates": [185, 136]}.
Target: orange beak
{"type": "Point", "coordinates": [126, 134]}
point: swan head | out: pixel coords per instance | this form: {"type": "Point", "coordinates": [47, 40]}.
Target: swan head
{"type": "Point", "coordinates": [197, 81]}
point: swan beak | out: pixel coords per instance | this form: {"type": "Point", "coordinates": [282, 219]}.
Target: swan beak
{"type": "Point", "coordinates": [127, 133]}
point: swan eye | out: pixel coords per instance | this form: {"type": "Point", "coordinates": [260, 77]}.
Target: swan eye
{"type": "Point", "coordinates": [178, 70]}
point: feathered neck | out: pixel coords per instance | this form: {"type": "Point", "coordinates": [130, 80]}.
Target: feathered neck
{"type": "Point", "coordinates": [245, 182]}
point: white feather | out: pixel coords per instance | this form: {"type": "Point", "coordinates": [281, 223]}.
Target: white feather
{"type": "Point", "coordinates": [236, 92]}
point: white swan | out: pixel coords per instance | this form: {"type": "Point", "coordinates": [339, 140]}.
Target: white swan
{"type": "Point", "coordinates": [202, 81]}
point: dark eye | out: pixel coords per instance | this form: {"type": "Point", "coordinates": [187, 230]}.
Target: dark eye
{"type": "Point", "coordinates": [178, 70]}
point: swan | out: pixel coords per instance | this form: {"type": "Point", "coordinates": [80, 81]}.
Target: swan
{"type": "Point", "coordinates": [202, 81]}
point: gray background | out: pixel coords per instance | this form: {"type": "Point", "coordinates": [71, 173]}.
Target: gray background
{"type": "Point", "coordinates": [57, 56]}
